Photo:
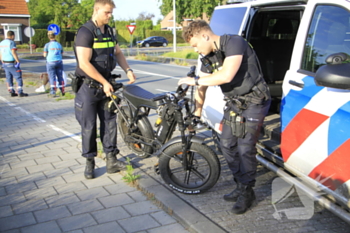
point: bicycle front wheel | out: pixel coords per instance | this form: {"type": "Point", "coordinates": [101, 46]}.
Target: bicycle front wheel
{"type": "Point", "coordinates": [202, 173]}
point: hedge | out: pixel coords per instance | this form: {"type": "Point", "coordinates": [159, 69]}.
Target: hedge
{"type": "Point", "coordinates": [66, 37]}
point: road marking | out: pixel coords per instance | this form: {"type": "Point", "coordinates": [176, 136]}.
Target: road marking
{"type": "Point", "coordinates": [149, 73]}
{"type": "Point", "coordinates": [38, 119]}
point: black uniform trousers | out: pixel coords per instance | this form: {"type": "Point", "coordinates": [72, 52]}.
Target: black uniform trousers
{"type": "Point", "coordinates": [240, 152]}
{"type": "Point", "coordinates": [88, 106]}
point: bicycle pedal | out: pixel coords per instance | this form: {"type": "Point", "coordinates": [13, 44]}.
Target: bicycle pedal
{"type": "Point", "coordinates": [156, 169]}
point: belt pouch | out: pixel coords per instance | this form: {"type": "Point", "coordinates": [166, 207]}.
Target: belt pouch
{"type": "Point", "coordinates": [239, 126]}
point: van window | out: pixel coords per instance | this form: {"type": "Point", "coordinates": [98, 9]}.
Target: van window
{"type": "Point", "coordinates": [227, 20]}
{"type": "Point", "coordinates": [328, 34]}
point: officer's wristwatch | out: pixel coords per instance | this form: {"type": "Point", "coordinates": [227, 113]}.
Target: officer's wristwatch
{"type": "Point", "coordinates": [196, 80]}
{"type": "Point", "coordinates": [127, 70]}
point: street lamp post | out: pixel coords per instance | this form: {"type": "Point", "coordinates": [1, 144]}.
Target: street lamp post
{"type": "Point", "coordinates": [174, 27]}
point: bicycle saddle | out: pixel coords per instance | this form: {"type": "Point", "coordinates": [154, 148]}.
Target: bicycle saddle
{"type": "Point", "coordinates": [139, 97]}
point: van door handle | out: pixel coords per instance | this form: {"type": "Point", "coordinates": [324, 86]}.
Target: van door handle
{"type": "Point", "coordinates": [294, 83]}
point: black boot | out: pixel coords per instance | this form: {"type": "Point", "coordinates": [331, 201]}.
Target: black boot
{"type": "Point", "coordinates": [245, 200]}
{"type": "Point", "coordinates": [233, 196]}
{"type": "Point", "coordinates": [113, 165]}
{"type": "Point", "coordinates": [89, 169]}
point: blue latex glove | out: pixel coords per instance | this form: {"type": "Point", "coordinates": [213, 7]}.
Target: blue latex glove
{"type": "Point", "coordinates": [17, 65]}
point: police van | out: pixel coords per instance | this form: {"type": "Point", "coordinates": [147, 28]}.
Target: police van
{"type": "Point", "coordinates": [303, 48]}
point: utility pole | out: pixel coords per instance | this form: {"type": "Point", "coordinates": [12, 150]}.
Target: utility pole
{"type": "Point", "coordinates": [174, 27]}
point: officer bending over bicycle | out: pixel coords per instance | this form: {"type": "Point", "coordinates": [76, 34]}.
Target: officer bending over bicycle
{"type": "Point", "coordinates": [97, 53]}
{"type": "Point", "coordinates": [232, 64]}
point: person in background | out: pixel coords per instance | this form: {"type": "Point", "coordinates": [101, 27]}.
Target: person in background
{"type": "Point", "coordinates": [11, 65]}
{"type": "Point", "coordinates": [45, 80]}
{"type": "Point", "coordinates": [53, 52]}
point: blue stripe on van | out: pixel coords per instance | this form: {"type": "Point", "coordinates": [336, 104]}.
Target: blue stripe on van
{"type": "Point", "coordinates": [295, 101]}
{"type": "Point", "coordinates": [339, 126]}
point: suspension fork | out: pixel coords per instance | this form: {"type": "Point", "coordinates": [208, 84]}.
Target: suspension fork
{"type": "Point", "coordinates": [185, 141]}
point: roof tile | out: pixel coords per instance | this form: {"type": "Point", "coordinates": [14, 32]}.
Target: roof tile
{"type": "Point", "coordinates": [14, 7]}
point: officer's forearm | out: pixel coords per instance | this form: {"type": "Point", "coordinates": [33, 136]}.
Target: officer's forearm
{"type": "Point", "coordinates": [200, 97]}
{"type": "Point", "coordinates": [122, 61]}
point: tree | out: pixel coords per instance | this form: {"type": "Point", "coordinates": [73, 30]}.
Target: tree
{"type": "Point", "coordinates": [145, 16]}
{"type": "Point", "coordinates": [189, 8]}
{"type": "Point", "coordinates": [64, 13]}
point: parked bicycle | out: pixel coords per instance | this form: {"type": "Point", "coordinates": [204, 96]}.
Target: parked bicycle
{"type": "Point", "coordinates": [185, 163]}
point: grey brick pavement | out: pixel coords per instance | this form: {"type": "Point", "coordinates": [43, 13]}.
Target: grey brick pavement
{"type": "Point", "coordinates": [42, 187]}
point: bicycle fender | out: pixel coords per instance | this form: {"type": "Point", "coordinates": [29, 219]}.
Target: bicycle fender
{"type": "Point", "coordinates": [195, 139]}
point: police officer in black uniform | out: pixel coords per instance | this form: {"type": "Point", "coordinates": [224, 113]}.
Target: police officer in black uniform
{"type": "Point", "coordinates": [230, 62]}
{"type": "Point", "coordinates": [97, 54]}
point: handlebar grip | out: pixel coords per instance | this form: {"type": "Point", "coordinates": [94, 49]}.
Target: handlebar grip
{"type": "Point", "coordinates": [116, 76]}
{"type": "Point", "coordinates": [192, 72]}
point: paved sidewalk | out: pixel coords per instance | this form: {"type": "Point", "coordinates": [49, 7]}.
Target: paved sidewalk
{"type": "Point", "coordinates": [42, 187]}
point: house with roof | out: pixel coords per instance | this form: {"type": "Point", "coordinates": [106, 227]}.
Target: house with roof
{"type": "Point", "coordinates": [14, 16]}
{"type": "Point", "coordinates": [168, 21]}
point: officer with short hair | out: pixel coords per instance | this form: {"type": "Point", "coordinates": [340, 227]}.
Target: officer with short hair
{"type": "Point", "coordinates": [230, 62]}
{"type": "Point", "coordinates": [97, 53]}
{"type": "Point", "coordinates": [11, 65]}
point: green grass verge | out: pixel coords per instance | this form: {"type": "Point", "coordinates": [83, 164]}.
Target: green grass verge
{"type": "Point", "coordinates": [184, 54]}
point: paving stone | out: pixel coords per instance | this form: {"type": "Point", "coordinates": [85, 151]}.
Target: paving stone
{"type": "Point", "coordinates": [66, 163]}
{"type": "Point", "coordinates": [111, 214]}
{"type": "Point", "coordinates": [110, 227]}
{"type": "Point", "coordinates": [84, 207]}
{"type": "Point", "coordinates": [70, 178]}
{"type": "Point", "coordinates": [16, 221]}
{"type": "Point", "coordinates": [52, 214]}
{"type": "Point", "coordinates": [13, 173]}
{"type": "Point", "coordinates": [40, 193]}
{"type": "Point", "coordinates": [137, 196]}
{"type": "Point", "coordinates": [92, 193]}
{"type": "Point", "coordinates": [2, 191]}
{"type": "Point", "coordinates": [51, 227]}
{"type": "Point", "coordinates": [101, 181]}
{"type": "Point", "coordinates": [58, 172]}
{"type": "Point", "coordinates": [30, 205]}
{"type": "Point", "coordinates": [20, 187]}
{"type": "Point", "coordinates": [12, 199]}
{"type": "Point", "coordinates": [62, 199]}
{"type": "Point", "coordinates": [26, 163]}
{"type": "Point", "coordinates": [76, 222]}
{"type": "Point", "coordinates": [5, 211]}
{"type": "Point", "coordinates": [119, 187]}
{"type": "Point", "coordinates": [139, 223]}
{"type": "Point", "coordinates": [140, 208]}
{"type": "Point", "coordinates": [50, 182]}
{"type": "Point", "coordinates": [70, 187]}
{"type": "Point", "coordinates": [46, 160]}
{"type": "Point", "coordinates": [163, 218]}
{"type": "Point", "coordinates": [40, 168]}
{"type": "Point", "coordinates": [70, 155]}
{"type": "Point", "coordinates": [8, 181]}
{"type": "Point", "coordinates": [116, 200]}
{"type": "Point", "coordinates": [32, 177]}
{"type": "Point", "coordinates": [175, 227]}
